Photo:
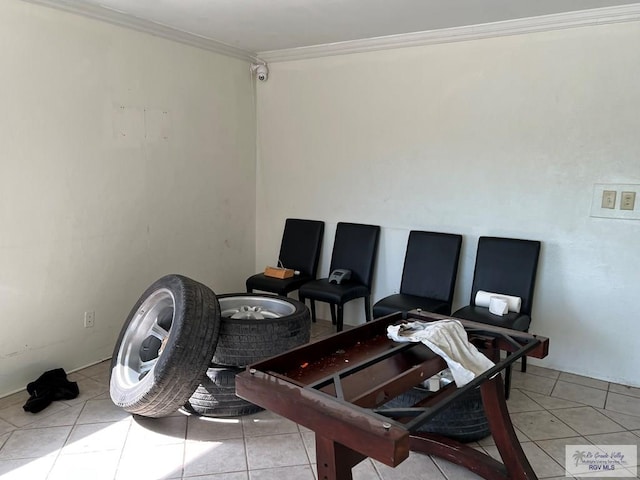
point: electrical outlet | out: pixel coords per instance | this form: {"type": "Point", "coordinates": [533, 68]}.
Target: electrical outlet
{"type": "Point", "coordinates": [627, 200]}
{"type": "Point", "coordinates": [89, 319]}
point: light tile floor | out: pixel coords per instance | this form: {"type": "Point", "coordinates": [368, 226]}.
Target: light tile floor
{"type": "Point", "coordinates": [89, 438]}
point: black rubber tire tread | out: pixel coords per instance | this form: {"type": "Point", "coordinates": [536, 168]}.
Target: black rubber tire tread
{"type": "Point", "coordinates": [246, 341]}
{"type": "Point", "coordinates": [463, 420]}
{"type": "Point", "coordinates": [186, 356]}
{"type": "Point", "coordinates": [216, 395]}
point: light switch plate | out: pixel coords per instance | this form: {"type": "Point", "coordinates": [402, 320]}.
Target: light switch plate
{"type": "Point", "coordinates": [604, 194]}
{"type": "Point", "coordinates": [609, 199]}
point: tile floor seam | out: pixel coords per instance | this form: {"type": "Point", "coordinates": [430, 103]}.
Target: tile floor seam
{"type": "Point", "coordinates": [2, 442]}
{"type": "Point", "coordinates": [15, 427]}
{"type": "Point", "coordinates": [306, 451]}
{"type": "Point", "coordinates": [569, 426]}
{"type": "Point", "coordinates": [555, 384]}
{"type": "Point", "coordinates": [115, 474]}
{"type": "Point", "coordinates": [622, 413]}
{"type": "Point", "coordinates": [7, 440]}
{"type": "Point", "coordinates": [624, 429]}
{"type": "Point", "coordinates": [551, 457]}
{"type": "Point", "coordinates": [557, 438]}
{"type": "Point", "coordinates": [59, 452]}
{"type": "Point", "coordinates": [84, 405]}
{"type": "Point", "coordinates": [582, 385]}
{"type": "Point", "coordinates": [10, 431]}
{"type": "Point", "coordinates": [184, 447]}
{"type": "Point", "coordinates": [246, 450]}
{"type": "Point", "coordinates": [375, 469]}
{"type": "Point", "coordinates": [441, 470]}
{"type": "Point", "coordinates": [625, 395]}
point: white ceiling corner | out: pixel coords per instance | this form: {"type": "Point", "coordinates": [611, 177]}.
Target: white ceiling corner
{"type": "Point", "coordinates": [300, 29]}
{"type": "Point", "coordinates": [121, 19]}
{"type": "Point", "coordinates": [599, 16]}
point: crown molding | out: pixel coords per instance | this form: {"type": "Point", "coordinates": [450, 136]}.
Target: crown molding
{"type": "Point", "coordinates": [596, 16]}
{"type": "Point", "coordinates": [122, 20]}
{"type": "Point", "coordinates": [581, 18]}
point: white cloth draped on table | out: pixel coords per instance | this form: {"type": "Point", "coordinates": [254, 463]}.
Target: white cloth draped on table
{"type": "Point", "coordinates": [448, 339]}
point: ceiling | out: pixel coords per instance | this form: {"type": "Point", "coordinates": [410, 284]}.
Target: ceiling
{"type": "Point", "coordinates": [268, 25]}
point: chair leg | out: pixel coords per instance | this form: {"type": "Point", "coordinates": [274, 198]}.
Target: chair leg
{"type": "Point", "coordinates": [340, 318]}
{"type": "Point", "coordinates": [507, 382]}
{"type": "Point", "coordinates": [523, 362]}
{"type": "Point", "coordinates": [312, 305]}
{"type": "Point", "coordinates": [367, 308]}
{"type": "Point", "coordinates": [333, 314]}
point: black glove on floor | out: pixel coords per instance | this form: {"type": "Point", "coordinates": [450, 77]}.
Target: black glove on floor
{"type": "Point", "coordinates": [50, 386]}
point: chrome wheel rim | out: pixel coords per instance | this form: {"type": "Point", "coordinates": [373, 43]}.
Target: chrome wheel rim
{"type": "Point", "coordinates": [254, 307]}
{"type": "Point", "coordinates": [145, 339]}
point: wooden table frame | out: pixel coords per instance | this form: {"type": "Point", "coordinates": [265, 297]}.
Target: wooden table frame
{"type": "Point", "coordinates": [334, 387]}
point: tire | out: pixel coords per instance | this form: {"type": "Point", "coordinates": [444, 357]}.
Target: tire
{"type": "Point", "coordinates": [216, 395]}
{"type": "Point", "coordinates": [164, 347]}
{"type": "Point", "coordinates": [255, 327]}
{"type": "Point", "coordinates": [463, 420]}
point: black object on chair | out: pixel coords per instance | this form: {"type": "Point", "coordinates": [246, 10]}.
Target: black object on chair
{"type": "Point", "coordinates": [505, 266]}
{"type": "Point", "coordinates": [428, 276]}
{"type": "Point", "coordinates": [354, 248]}
{"type": "Point", "coordinates": [300, 251]}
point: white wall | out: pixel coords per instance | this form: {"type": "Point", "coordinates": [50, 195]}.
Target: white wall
{"type": "Point", "coordinates": [502, 137]}
{"type": "Point", "coordinates": [90, 217]}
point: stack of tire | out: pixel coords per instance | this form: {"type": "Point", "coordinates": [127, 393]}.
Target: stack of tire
{"type": "Point", "coordinates": [182, 345]}
{"type": "Point", "coordinates": [253, 327]}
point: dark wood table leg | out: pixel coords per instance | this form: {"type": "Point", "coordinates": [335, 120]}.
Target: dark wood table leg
{"type": "Point", "coordinates": [495, 407]}
{"type": "Point", "coordinates": [479, 463]}
{"type": "Point", "coordinates": [515, 466]}
{"type": "Point", "coordinates": [334, 460]}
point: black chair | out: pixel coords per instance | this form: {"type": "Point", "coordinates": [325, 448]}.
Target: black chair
{"type": "Point", "coordinates": [428, 276]}
{"type": "Point", "coordinates": [354, 248]}
{"type": "Point", "coordinates": [300, 251]}
{"type": "Point", "coordinates": [505, 266]}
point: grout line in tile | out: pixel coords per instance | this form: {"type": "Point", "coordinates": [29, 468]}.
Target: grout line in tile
{"type": "Point", "coordinates": [59, 452]}
{"type": "Point", "coordinates": [375, 469]}
{"type": "Point", "coordinates": [437, 467]}
{"type": "Point", "coordinates": [246, 450]}
{"type": "Point", "coordinates": [555, 384]}
{"type": "Point", "coordinates": [122, 451]}
{"type": "Point", "coordinates": [184, 445]}
{"type": "Point", "coordinates": [589, 386]}
{"type": "Point", "coordinates": [553, 389]}
{"type": "Point", "coordinates": [304, 445]}
{"type": "Point", "coordinates": [554, 408]}
{"type": "Point", "coordinates": [625, 395]}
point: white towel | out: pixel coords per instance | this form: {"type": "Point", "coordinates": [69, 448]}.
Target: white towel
{"type": "Point", "coordinates": [448, 339]}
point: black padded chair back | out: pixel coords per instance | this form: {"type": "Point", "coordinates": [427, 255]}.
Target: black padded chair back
{"type": "Point", "coordinates": [301, 243]}
{"type": "Point", "coordinates": [431, 265]}
{"type": "Point", "coordinates": [508, 266]}
{"type": "Point", "coordinates": [354, 248]}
